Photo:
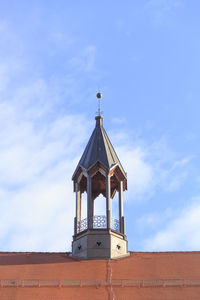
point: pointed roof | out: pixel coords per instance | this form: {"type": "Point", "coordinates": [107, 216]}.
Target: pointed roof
{"type": "Point", "coordinates": [99, 149]}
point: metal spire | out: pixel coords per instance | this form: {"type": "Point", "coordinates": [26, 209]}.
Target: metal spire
{"type": "Point", "coordinates": [99, 96]}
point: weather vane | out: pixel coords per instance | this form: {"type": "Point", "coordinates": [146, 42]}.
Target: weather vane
{"type": "Point", "coordinates": [99, 96]}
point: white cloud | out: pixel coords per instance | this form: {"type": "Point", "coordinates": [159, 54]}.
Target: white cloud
{"type": "Point", "coordinates": [160, 9]}
{"type": "Point", "coordinates": [35, 183]}
{"type": "Point", "coordinates": [86, 60]}
{"type": "Point", "coordinates": [175, 175]}
{"type": "Point", "coordinates": [182, 232]}
{"type": "Point", "coordinates": [165, 5]}
{"type": "Point", "coordinates": [60, 42]}
{"type": "Point", "coordinates": [150, 167]}
{"type": "Point", "coordinates": [90, 54]}
{"type": "Point", "coordinates": [176, 181]}
{"type": "Point", "coordinates": [6, 70]}
{"type": "Point", "coordinates": [37, 161]}
{"type": "Point", "coordinates": [39, 150]}
{"type": "Point", "coordinates": [139, 172]}
{"type": "Point", "coordinates": [118, 121]}
{"type": "Point", "coordinates": [40, 146]}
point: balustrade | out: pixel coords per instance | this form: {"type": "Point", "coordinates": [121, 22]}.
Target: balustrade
{"type": "Point", "coordinates": [98, 223]}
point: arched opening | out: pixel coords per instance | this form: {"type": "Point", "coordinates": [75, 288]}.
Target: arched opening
{"type": "Point", "coordinates": [83, 205]}
{"type": "Point", "coordinates": [114, 182]}
{"type": "Point", "coordinates": [99, 200]}
{"type": "Point", "coordinates": [100, 205]}
{"type": "Point", "coordinates": [115, 206]}
{"type": "Point", "coordinates": [99, 194]}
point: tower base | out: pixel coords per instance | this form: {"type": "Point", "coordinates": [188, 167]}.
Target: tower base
{"type": "Point", "coordinates": [99, 244]}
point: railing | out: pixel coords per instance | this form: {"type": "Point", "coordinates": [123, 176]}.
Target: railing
{"type": "Point", "coordinates": [82, 225]}
{"type": "Point", "coordinates": [99, 222]}
{"type": "Point", "coordinates": [141, 283]}
{"type": "Point", "coordinates": [115, 225]}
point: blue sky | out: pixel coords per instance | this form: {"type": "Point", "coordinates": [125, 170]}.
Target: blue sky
{"type": "Point", "coordinates": [145, 58]}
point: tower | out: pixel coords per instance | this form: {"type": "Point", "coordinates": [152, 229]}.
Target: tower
{"type": "Point", "coordinates": [99, 171]}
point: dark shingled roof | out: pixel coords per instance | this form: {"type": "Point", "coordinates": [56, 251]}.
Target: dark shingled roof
{"type": "Point", "coordinates": [99, 149]}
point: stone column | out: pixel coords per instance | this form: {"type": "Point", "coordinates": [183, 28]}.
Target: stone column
{"type": "Point", "coordinates": [78, 208]}
{"type": "Point", "coordinates": [89, 203]}
{"type": "Point", "coordinates": [121, 211]}
{"type": "Point", "coordinates": [108, 202]}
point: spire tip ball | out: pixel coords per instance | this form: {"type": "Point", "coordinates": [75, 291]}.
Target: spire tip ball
{"type": "Point", "coordinates": [99, 95]}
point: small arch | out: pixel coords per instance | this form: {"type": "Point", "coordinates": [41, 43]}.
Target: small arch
{"type": "Point", "coordinates": [98, 185]}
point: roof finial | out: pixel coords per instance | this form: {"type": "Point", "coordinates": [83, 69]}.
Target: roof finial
{"type": "Point", "coordinates": [99, 96]}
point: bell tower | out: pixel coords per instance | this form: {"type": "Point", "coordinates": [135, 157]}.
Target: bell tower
{"type": "Point", "coordinates": [99, 171]}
